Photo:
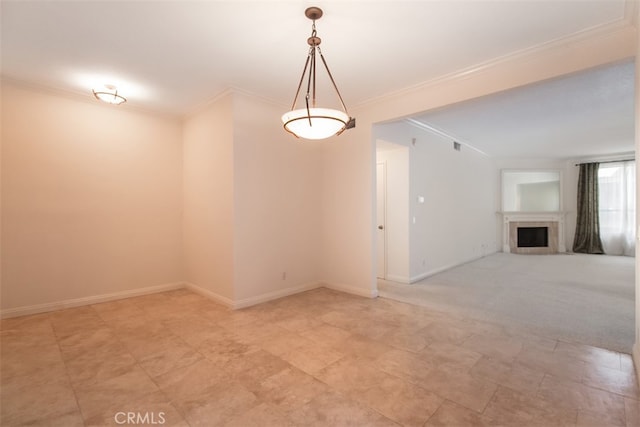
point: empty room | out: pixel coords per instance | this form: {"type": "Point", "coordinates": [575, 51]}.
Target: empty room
{"type": "Point", "coordinates": [499, 240]}
{"type": "Point", "coordinates": [282, 213]}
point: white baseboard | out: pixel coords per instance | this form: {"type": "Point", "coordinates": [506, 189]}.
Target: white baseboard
{"type": "Point", "coordinates": [248, 302]}
{"type": "Point", "coordinates": [243, 303]}
{"type": "Point", "coordinates": [446, 267]}
{"type": "Point", "coordinates": [372, 293]}
{"type": "Point", "coordinates": [398, 279]}
{"type": "Point", "coordinates": [77, 302]}
{"type": "Point", "coordinates": [210, 294]}
{"type": "Point", "coordinates": [269, 296]}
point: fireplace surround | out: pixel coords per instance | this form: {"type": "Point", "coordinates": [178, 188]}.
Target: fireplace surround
{"type": "Point", "coordinates": [553, 222]}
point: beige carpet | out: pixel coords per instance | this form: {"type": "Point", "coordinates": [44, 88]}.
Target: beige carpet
{"type": "Point", "coordinates": [588, 299]}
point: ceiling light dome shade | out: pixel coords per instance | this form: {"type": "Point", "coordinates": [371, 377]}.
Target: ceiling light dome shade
{"type": "Point", "coordinates": [109, 95]}
{"type": "Point", "coordinates": [315, 123]}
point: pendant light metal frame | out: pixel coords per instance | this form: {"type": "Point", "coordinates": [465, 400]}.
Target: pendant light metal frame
{"type": "Point", "coordinates": [336, 120]}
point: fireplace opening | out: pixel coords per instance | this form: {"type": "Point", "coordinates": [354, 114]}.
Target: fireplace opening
{"type": "Point", "coordinates": [533, 237]}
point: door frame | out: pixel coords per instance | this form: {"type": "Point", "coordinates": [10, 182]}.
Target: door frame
{"type": "Point", "coordinates": [383, 164]}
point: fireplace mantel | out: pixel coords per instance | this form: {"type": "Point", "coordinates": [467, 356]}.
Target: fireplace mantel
{"type": "Point", "coordinates": [556, 229]}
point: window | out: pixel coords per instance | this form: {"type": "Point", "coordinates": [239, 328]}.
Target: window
{"type": "Point", "coordinates": [617, 200]}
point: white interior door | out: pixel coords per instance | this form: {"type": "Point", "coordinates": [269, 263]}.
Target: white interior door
{"type": "Point", "coordinates": [381, 192]}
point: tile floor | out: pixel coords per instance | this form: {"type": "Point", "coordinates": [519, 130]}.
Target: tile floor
{"type": "Point", "coordinates": [318, 358]}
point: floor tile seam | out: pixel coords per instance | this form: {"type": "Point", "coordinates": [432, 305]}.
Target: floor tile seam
{"type": "Point", "coordinates": [581, 383]}
{"type": "Point", "coordinates": [532, 394]}
{"type": "Point", "coordinates": [484, 356]}
{"type": "Point", "coordinates": [602, 389]}
{"type": "Point", "coordinates": [574, 406]}
{"type": "Point", "coordinates": [449, 401]}
{"type": "Point", "coordinates": [109, 320]}
{"type": "Point", "coordinates": [540, 381]}
{"type": "Point", "coordinates": [3, 417]}
{"type": "Point", "coordinates": [541, 399]}
{"type": "Point", "coordinates": [135, 364]}
{"type": "Point", "coordinates": [590, 412]}
{"type": "Point", "coordinates": [317, 378]}
{"type": "Point", "coordinates": [636, 400]}
{"type": "Point", "coordinates": [544, 365]}
{"type": "Point", "coordinates": [82, 329]}
{"type": "Point", "coordinates": [484, 408]}
{"type": "Point", "coordinates": [514, 363]}
{"type": "Point", "coordinates": [362, 402]}
{"type": "Point", "coordinates": [354, 395]}
{"type": "Point", "coordinates": [565, 353]}
{"type": "Point", "coordinates": [590, 366]}
{"type": "Point", "coordinates": [418, 384]}
{"type": "Point", "coordinates": [205, 357]}
{"type": "Point", "coordinates": [149, 356]}
{"type": "Point", "coordinates": [122, 346]}
{"type": "Point", "coordinates": [47, 317]}
{"type": "Point", "coordinates": [627, 416]}
{"type": "Point", "coordinates": [166, 397]}
{"type": "Point", "coordinates": [71, 384]}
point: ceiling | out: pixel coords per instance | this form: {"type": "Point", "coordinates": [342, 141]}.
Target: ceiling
{"type": "Point", "coordinates": [587, 114]}
{"type": "Point", "coordinates": [174, 56]}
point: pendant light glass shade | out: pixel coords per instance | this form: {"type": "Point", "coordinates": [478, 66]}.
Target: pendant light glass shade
{"type": "Point", "coordinates": [315, 123]}
{"type": "Point", "coordinates": [312, 122]}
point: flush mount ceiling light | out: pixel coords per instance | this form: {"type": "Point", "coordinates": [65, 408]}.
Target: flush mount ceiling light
{"type": "Point", "coordinates": [109, 95]}
{"type": "Point", "coordinates": [312, 122]}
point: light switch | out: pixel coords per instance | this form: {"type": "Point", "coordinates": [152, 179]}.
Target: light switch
{"type": "Point", "coordinates": [420, 199]}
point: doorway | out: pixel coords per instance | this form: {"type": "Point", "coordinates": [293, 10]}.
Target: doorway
{"type": "Point", "coordinates": [381, 209]}
{"type": "Point", "coordinates": [392, 211]}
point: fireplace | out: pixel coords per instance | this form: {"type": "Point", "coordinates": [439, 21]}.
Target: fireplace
{"type": "Point", "coordinates": [533, 233]}
{"type": "Point", "coordinates": [533, 237]}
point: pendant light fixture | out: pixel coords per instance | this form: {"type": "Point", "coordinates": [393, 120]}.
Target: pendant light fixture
{"type": "Point", "coordinates": [109, 95]}
{"type": "Point", "coordinates": [312, 122]}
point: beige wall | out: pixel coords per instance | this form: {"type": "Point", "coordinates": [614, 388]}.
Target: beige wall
{"type": "Point", "coordinates": [348, 211]}
{"type": "Point", "coordinates": [251, 205]}
{"type": "Point", "coordinates": [90, 199]}
{"type": "Point", "coordinates": [349, 164]}
{"type": "Point", "coordinates": [277, 183]}
{"type": "Point", "coordinates": [208, 198]}
{"type": "Point", "coordinates": [101, 201]}
{"type": "Point", "coordinates": [92, 196]}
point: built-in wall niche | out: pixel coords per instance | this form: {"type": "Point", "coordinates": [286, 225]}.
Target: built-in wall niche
{"type": "Point", "coordinates": [531, 191]}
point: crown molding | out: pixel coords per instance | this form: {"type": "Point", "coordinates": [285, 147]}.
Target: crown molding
{"type": "Point", "coordinates": [432, 129]}
{"type": "Point", "coordinates": [206, 104]}
{"type": "Point", "coordinates": [615, 28]}
{"type": "Point", "coordinates": [230, 91]}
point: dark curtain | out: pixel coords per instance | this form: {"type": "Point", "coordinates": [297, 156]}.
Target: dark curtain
{"type": "Point", "coordinates": [587, 239]}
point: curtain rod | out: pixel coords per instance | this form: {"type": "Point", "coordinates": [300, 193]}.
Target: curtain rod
{"type": "Point", "coordinates": [608, 161]}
